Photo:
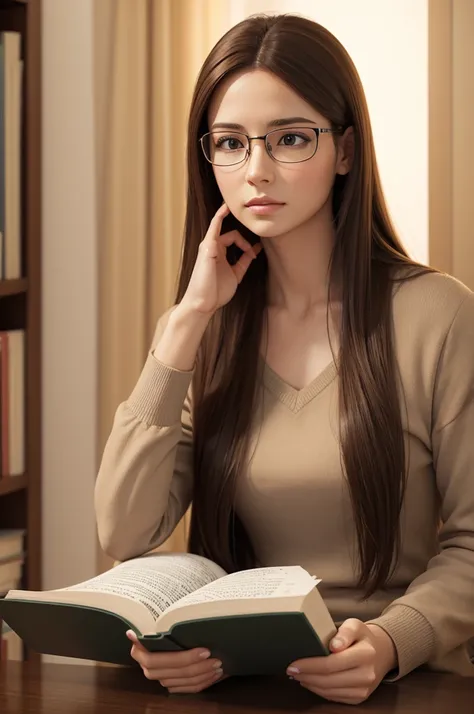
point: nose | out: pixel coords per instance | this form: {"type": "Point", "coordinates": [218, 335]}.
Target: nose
{"type": "Point", "coordinates": [260, 166]}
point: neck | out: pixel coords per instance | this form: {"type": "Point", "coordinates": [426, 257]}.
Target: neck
{"type": "Point", "coordinates": [298, 265]}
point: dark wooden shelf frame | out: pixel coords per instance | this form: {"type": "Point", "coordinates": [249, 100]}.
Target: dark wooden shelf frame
{"type": "Point", "coordinates": [11, 484]}
{"type": "Point", "coordinates": [5, 4]}
{"type": "Point", "coordinates": [13, 287]}
{"type": "Point", "coordinates": [20, 496]}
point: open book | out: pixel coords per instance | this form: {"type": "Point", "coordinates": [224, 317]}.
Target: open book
{"type": "Point", "coordinates": [256, 621]}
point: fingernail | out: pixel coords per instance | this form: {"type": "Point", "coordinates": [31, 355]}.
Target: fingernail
{"type": "Point", "coordinates": [337, 642]}
{"type": "Point", "coordinates": [131, 635]}
{"type": "Point", "coordinates": [293, 670]}
{"type": "Point", "coordinates": [205, 654]}
{"type": "Point", "coordinates": [217, 664]}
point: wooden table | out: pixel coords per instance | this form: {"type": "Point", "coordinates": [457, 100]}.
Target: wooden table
{"type": "Point", "coordinates": [81, 689]}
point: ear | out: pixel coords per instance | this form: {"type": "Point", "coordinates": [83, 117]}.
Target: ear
{"type": "Point", "coordinates": [345, 152]}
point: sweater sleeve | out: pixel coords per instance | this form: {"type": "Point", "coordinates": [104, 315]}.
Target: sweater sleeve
{"type": "Point", "coordinates": [144, 483]}
{"type": "Point", "coordinates": [435, 617]}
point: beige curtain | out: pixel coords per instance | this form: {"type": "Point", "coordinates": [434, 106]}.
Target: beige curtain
{"type": "Point", "coordinates": [451, 153]}
{"type": "Point", "coordinates": [147, 55]}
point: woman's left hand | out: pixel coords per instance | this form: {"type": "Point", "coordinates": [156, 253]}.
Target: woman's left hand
{"type": "Point", "coordinates": [361, 655]}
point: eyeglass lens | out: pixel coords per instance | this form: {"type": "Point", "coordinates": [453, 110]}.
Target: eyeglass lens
{"type": "Point", "coordinates": [225, 148]}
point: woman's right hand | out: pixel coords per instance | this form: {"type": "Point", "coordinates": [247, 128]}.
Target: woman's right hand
{"type": "Point", "coordinates": [214, 281]}
{"type": "Point", "coordinates": [186, 672]}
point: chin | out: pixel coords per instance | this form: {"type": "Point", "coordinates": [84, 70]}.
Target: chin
{"type": "Point", "coordinates": [268, 227]}
{"type": "Point", "coordinates": [264, 226]}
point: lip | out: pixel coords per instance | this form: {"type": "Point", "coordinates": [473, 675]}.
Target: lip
{"type": "Point", "coordinates": [264, 209]}
{"type": "Point", "coordinates": [263, 201]}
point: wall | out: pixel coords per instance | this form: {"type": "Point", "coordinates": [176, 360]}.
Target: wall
{"type": "Point", "coordinates": [388, 42]}
{"type": "Point", "coordinates": [69, 309]}
{"type": "Point", "coordinates": [462, 141]}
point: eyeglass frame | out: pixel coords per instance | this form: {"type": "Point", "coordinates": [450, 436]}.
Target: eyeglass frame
{"type": "Point", "coordinates": [318, 130]}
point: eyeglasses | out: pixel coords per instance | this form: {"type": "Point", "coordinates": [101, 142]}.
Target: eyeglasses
{"type": "Point", "coordinates": [226, 148]}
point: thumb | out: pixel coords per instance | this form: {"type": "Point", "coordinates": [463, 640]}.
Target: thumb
{"type": "Point", "coordinates": [132, 636]}
{"type": "Point", "coordinates": [348, 633]}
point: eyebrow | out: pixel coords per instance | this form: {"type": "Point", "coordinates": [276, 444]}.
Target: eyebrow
{"type": "Point", "coordinates": [274, 123]}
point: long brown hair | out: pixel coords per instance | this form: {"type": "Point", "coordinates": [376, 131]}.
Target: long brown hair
{"type": "Point", "coordinates": [367, 254]}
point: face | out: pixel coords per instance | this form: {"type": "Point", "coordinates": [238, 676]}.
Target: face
{"type": "Point", "coordinates": [254, 99]}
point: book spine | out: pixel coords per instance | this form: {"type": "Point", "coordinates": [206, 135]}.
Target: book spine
{"type": "Point", "coordinates": [16, 398]}
{"type": "Point", "coordinates": [12, 100]}
{"type": "Point", "coordinates": [5, 405]}
{"type": "Point", "coordinates": [2, 156]}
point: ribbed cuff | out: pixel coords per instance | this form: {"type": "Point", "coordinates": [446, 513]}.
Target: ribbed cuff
{"type": "Point", "coordinates": [412, 634]}
{"type": "Point", "coordinates": [159, 393]}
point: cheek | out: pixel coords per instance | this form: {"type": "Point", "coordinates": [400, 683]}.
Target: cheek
{"type": "Point", "coordinates": [230, 186]}
{"type": "Point", "coordinates": [312, 181]}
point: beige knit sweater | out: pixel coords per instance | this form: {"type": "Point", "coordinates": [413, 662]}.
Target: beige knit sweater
{"type": "Point", "coordinates": [294, 501]}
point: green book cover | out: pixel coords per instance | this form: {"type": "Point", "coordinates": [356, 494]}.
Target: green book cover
{"type": "Point", "coordinates": [256, 622]}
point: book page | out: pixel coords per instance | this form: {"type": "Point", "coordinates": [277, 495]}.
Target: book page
{"type": "Point", "coordinates": [155, 581]}
{"type": "Point", "coordinates": [255, 583]}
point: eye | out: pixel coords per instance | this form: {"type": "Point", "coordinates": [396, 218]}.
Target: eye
{"type": "Point", "coordinates": [292, 140]}
{"type": "Point", "coordinates": [232, 143]}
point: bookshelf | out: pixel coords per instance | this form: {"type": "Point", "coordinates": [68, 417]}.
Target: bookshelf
{"type": "Point", "coordinates": [13, 287]}
{"type": "Point", "coordinates": [20, 299]}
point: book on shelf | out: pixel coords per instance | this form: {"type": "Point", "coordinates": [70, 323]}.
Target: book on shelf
{"type": "Point", "coordinates": [11, 543]}
{"type": "Point", "coordinates": [256, 621]}
{"type": "Point", "coordinates": [12, 403]}
{"type": "Point", "coordinates": [11, 80]}
{"type": "Point", "coordinates": [10, 574]}
{"type": "Point", "coordinates": [11, 559]}
{"type": "Point", "coordinates": [11, 567]}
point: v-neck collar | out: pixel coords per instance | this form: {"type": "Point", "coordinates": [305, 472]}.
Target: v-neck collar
{"type": "Point", "coordinates": [296, 399]}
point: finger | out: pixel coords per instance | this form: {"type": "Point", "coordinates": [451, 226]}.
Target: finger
{"type": "Point", "coordinates": [213, 248]}
{"type": "Point", "coordinates": [210, 248]}
{"type": "Point", "coordinates": [234, 237]}
{"type": "Point", "coordinates": [357, 677]}
{"type": "Point", "coordinates": [355, 656]}
{"type": "Point", "coordinates": [191, 681]}
{"type": "Point", "coordinates": [349, 632]}
{"type": "Point", "coordinates": [216, 221]}
{"type": "Point", "coordinates": [214, 230]}
{"type": "Point", "coordinates": [152, 660]}
{"type": "Point", "coordinates": [223, 210]}
{"type": "Point", "coordinates": [192, 670]}
{"type": "Point", "coordinates": [242, 265]}
{"type": "Point", "coordinates": [132, 636]}
{"type": "Point", "coordinates": [195, 670]}
{"type": "Point", "coordinates": [166, 667]}
{"type": "Point", "coordinates": [194, 690]}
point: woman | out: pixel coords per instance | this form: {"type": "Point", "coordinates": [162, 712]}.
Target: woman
{"type": "Point", "coordinates": [311, 391]}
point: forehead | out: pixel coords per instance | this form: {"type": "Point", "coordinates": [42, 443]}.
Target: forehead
{"type": "Point", "coordinates": [255, 97]}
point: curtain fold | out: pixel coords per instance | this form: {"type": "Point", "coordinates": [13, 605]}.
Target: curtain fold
{"type": "Point", "coordinates": [147, 55]}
